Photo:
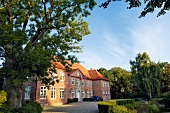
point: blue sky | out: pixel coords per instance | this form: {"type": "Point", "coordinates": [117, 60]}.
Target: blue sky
{"type": "Point", "coordinates": [118, 35]}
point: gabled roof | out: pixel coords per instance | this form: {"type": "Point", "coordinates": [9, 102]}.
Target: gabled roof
{"type": "Point", "coordinates": [82, 69]}
{"type": "Point", "coordinates": [95, 75]}
{"type": "Point", "coordinates": [58, 65]}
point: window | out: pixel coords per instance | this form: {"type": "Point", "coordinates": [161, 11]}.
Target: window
{"type": "Point", "coordinates": [61, 76]}
{"type": "Point", "coordinates": [78, 82]}
{"type": "Point", "coordinates": [83, 94]}
{"type": "Point", "coordinates": [43, 92]}
{"type": "Point", "coordinates": [91, 93]}
{"type": "Point", "coordinates": [72, 81]}
{"type": "Point", "coordinates": [72, 94]}
{"type": "Point", "coordinates": [90, 84]}
{"type": "Point", "coordinates": [108, 85]}
{"type": "Point", "coordinates": [87, 83]}
{"type": "Point", "coordinates": [103, 92]}
{"type": "Point", "coordinates": [103, 84]}
{"type": "Point", "coordinates": [82, 82]}
{"type": "Point", "coordinates": [27, 92]}
{"type": "Point", "coordinates": [78, 74]}
{"type": "Point", "coordinates": [53, 92]}
{"type": "Point", "coordinates": [87, 94]}
{"type": "Point", "coordinates": [106, 93]}
{"type": "Point", "coordinates": [61, 92]}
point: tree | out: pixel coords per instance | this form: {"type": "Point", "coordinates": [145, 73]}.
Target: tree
{"type": "Point", "coordinates": [151, 5]}
{"type": "Point", "coordinates": [32, 32]}
{"type": "Point", "coordinates": [104, 72]}
{"type": "Point", "coordinates": [147, 75]}
{"type": "Point", "coordinates": [120, 83]}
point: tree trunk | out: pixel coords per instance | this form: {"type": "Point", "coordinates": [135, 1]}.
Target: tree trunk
{"type": "Point", "coordinates": [14, 96]}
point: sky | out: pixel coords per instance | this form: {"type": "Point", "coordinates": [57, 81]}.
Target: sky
{"type": "Point", "coordinates": [118, 35]}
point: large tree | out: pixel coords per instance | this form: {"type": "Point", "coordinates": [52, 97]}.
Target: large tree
{"type": "Point", "coordinates": [151, 5]}
{"type": "Point", "coordinates": [120, 82]}
{"type": "Point", "coordinates": [32, 32]}
{"type": "Point", "coordinates": [147, 75]}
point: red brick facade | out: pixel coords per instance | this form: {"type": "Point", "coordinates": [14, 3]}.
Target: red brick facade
{"type": "Point", "coordinates": [79, 83]}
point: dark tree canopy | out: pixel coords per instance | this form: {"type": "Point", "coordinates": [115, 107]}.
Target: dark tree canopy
{"type": "Point", "coordinates": [150, 5]}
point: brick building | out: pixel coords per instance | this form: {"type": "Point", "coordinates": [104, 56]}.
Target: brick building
{"type": "Point", "coordinates": [79, 83]}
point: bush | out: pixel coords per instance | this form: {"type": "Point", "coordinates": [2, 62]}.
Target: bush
{"type": "Point", "coordinates": [4, 109]}
{"type": "Point", "coordinates": [3, 97]}
{"type": "Point", "coordinates": [124, 101]}
{"type": "Point", "coordinates": [85, 99]}
{"type": "Point", "coordinates": [105, 107]}
{"type": "Point", "coordinates": [133, 106]}
{"type": "Point", "coordinates": [31, 107]}
{"type": "Point", "coordinates": [72, 100]}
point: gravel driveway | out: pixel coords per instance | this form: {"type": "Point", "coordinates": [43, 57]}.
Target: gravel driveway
{"type": "Point", "coordinates": [77, 107]}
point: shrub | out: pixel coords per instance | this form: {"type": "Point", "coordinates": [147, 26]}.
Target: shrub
{"type": "Point", "coordinates": [132, 106]}
{"type": "Point", "coordinates": [124, 101]}
{"type": "Point", "coordinates": [4, 109]}
{"type": "Point", "coordinates": [3, 97]}
{"type": "Point", "coordinates": [31, 107]}
{"type": "Point", "coordinates": [153, 109]}
{"type": "Point", "coordinates": [85, 99]}
{"type": "Point", "coordinates": [72, 100]}
{"type": "Point", "coordinates": [120, 109]}
{"type": "Point", "coordinates": [105, 107]}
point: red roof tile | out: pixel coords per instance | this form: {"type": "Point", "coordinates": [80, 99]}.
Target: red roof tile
{"type": "Point", "coordinates": [95, 75]}
{"type": "Point", "coordinates": [82, 69]}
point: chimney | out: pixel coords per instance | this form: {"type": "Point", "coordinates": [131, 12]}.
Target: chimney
{"type": "Point", "coordinates": [91, 68]}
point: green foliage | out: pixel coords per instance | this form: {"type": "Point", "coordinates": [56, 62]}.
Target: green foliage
{"type": "Point", "coordinates": [72, 100]}
{"type": "Point", "coordinates": [5, 109]}
{"type": "Point", "coordinates": [105, 107]}
{"type": "Point", "coordinates": [31, 107]}
{"type": "Point", "coordinates": [151, 5]}
{"type": "Point", "coordinates": [34, 31]}
{"type": "Point", "coordinates": [124, 101]}
{"type": "Point", "coordinates": [3, 97]}
{"type": "Point", "coordinates": [133, 106]}
{"type": "Point", "coordinates": [147, 75]}
{"type": "Point", "coordinates": [120, 82]}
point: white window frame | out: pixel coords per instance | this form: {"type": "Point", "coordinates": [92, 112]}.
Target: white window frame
{"type": "Point", "coordinates": [87, 83]}
{"type": "Point", "coordinates": [103, 92]}
{"type": "Point", "coordinates": [82, 82]}
{"type": "Point", "coordinates": [103, 84]}
{"type": "Point", "coordinates": [90, 83]}
{"type": "Point", "coordinates": [72, 81]}
{"type": "Point", "coordinates": [43, 92]}
{"type": "Point", "coordinates": [78, 82]}
{"type": "Point", "coordinates": [61, 93]}
{"type": "Point", "coordinates": [91, 94]}
{"type": "Point", "coordinates": [78, 74]}
{"type": "Point", "coordinates": [106, 93]}
{"type": "Point", "coordinates": [72, 94]}
{"type": "Point", "coordinates": [88, 94]}
{"type": "Point", "coordinates": [108, 84]}
{"type": "Point", "coordinates": [62, 76]}
{"type": "Point", "coordinates": [27, 92]}
{"type": "Point", "coordinates": [83, 94]}
{"type": "Point", "coordinates": [53, 92]}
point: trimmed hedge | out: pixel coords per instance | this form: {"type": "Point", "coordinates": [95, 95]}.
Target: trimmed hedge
{"type": "Point", "coordinates": [124, 101]}
{"type": "Point", "coordinates": [85, 99]}
{"type": "Point", "coordinates": [72, 100]}
{"type": "Point", "coordinates": [105, 107]}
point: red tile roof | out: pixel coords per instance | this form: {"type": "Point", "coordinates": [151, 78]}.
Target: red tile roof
{"type": "Point", "coordinates": [82, 69]}
{"type": "Point", "coordinates": [95, 75]}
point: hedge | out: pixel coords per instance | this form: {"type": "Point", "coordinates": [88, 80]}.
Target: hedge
{"type": "Point", "coordinates": [72, 100]}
